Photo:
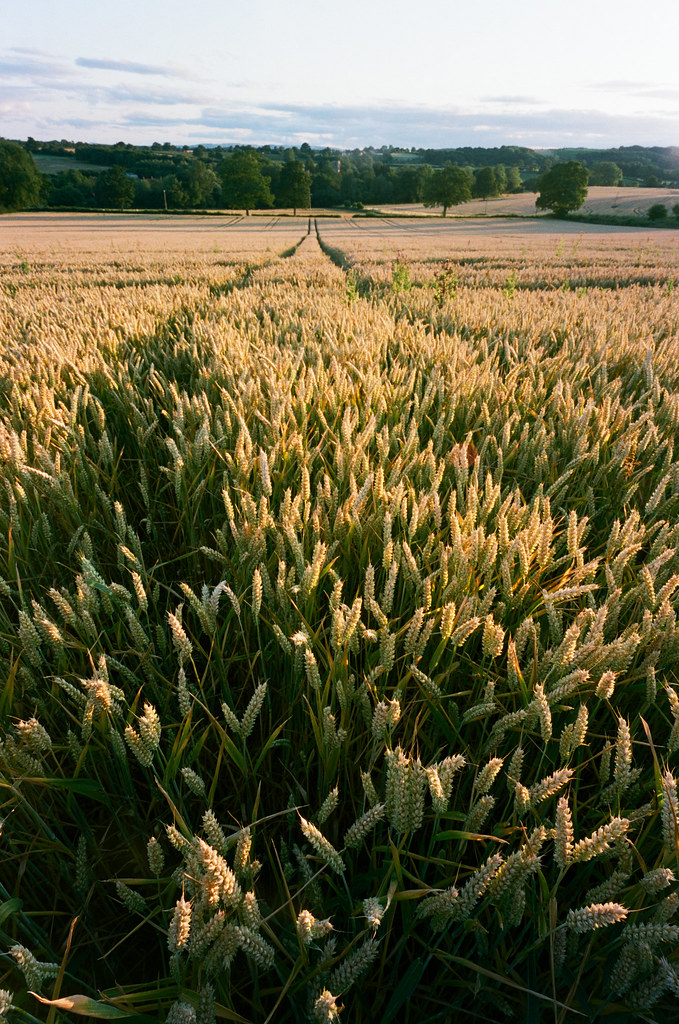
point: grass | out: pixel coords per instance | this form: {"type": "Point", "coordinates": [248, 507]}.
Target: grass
{"type": "Point", "coordinates": [49, 164]}
{"type": "Point", "coordinates": [338, 637]}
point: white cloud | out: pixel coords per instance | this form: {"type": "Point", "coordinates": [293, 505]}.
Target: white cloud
{"type": "Point", "coordinates": [41, 93]}
{"type": "Point", "coordinates": [131, 67]}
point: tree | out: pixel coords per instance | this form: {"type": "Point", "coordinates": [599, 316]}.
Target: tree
{"type": "Point", "coordinates": [657, 212]}
{"type": "Point", "coordinates": [513, 179]}
{"type": "Point", "coordinates": [383, 184]}
{"type": "Point", "coordinates": [351, 188]}
{"type": "Point", "coordinates": [605, 173]}
{"type": "Point", "coordinates": [500, 179]}
{"type": "Point", "coordinates": [20, 179]}
{"type": "Point", "coordinates": [294, 186]}
{"type": "Point", "coordinates": [71, 188]}
{"type": "Point", "coordinates": [563, 188]}
{"type": "Point", "coordinates": [244, 187]}
{"type": "Point", "coordinates": [325, 187]}
{"type": "Point", "coordinates": [200, 183]}
{"type": "Point", "coordinates": [114, 188]}
{"type": "Point", "coordinates": [485, 183]}
{"type": "Point", "coordinates": [447, 187]}
{"type": "Point", "coordinates": [407, 184]}
{"type": "Point", "coordinates": [177, 196]}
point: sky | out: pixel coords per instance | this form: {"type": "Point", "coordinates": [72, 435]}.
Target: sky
{"type": "Point", "coordinates": [408, 73]}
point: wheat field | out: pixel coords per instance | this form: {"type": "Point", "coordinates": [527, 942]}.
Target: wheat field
{"type": "Point", "coordinates": [339, 571]}
{"type": "Point", "coordinates": [601, 199]}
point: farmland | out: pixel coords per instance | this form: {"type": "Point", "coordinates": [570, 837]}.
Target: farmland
{"type": "Point", "coordinates": [601, 199]}
{"type": "Point", "coordinates": [339, 571]}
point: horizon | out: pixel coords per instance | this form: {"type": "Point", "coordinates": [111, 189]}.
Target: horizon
{"type": "Point", "coordinates": [446, 76]}
{"type": "Point", "coordinates": [178, 145]}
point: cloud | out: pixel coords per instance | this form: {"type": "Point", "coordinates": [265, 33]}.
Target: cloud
{"type": "Point", "coordinates": [12, 106]}
{"type": "Point", "coordinates": [149, 119]}
{"type": "Point", "coordinates": [353, 125]}
{"type": "Point", "coordinates": [422, 125]}
{"type": "Point", "coordinates": [619, 85]}
{"type": "Point", "coordinates": [29, 50]}
{"type": "Point", "coordinates": [643, 90]}
{"type": "Point", "coordinates": [663, 94]}
{"type": "Point", "coordinates": [126, 94]}
{"type": "Point", "coordinates": [31, 66]}
{"type": "Point", "coordinates": [34, 63]}
{"type": "Point", "coordinates": [90, 124]}
{"type": "Point", "coordinates": [131, 67]}
{"type": "Point", "coordinates": [40, 91]}
{"type": "Point", "coordinates": [46, 95]}
{"type": "Point", "coordinates": [512, 100]}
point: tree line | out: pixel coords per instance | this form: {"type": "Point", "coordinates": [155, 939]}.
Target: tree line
{"type": "Point", "coordinates": [168, 177]}
{"type": "Point", "coordinates": [639, 165]}
{"type": "Point", "coordinates": [243, 178]}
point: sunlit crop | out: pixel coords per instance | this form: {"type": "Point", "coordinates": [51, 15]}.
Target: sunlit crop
{"type": "Point", "coordinates": [338, 632]}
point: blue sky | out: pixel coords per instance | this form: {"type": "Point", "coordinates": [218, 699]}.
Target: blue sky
{"type": "Point", "coordinates": [425, 73]}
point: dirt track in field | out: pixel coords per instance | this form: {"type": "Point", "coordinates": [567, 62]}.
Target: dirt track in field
{"type": "Point", "coordinates": [142, 236]}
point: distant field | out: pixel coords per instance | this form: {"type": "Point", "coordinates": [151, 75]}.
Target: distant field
{"type": "Point", "coordinates": [628, 201]}
{"type": "Point", "coordinates": [600, 199]}
{"type": "Point", "coordinates": [63, 234]}
{"type": "Point", "coordinates": [482, 252]}
{"type": "Point", "coordinates": [60, 235]}
{"type": "Point", "coordinates": [53, 164]}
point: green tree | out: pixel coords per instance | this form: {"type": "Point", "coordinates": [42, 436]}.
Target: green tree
{"type": "Point", "coordinates": [244, 187]}
{"type": "Point", "coordinates": [177, 196]}
{"type": "Point", "coordinates": [485, 183]}
{"type": "Point", "coordinates": [563, 188]}
{"type": "Point", "coordinates": [20, 179]}
{"type": "Point", "coordinates": [500, 179]}
{"type": "Point", "coordinates": [657, 212]}
{"type": "Point", "coordinates": [114, 188]}
{"type": "Point", "coordinates": [447, 187]}
{"type": "Point", "coordinates": [351, 188]}
{"type": "Point", "coordinates": [513, 176]}
{"type": "Point", "coordinates": [294, 186]}
{"type": "Point", "coordinates": [200, 183]}
{"type": "Point", "coordinates": [71, 188]}
{"type": "Point", "coordinates": [605, 173]}
{"type": "Point", "coordinates": [325, 189]}
{"type": "Point", "coordinates": [407, 184]}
